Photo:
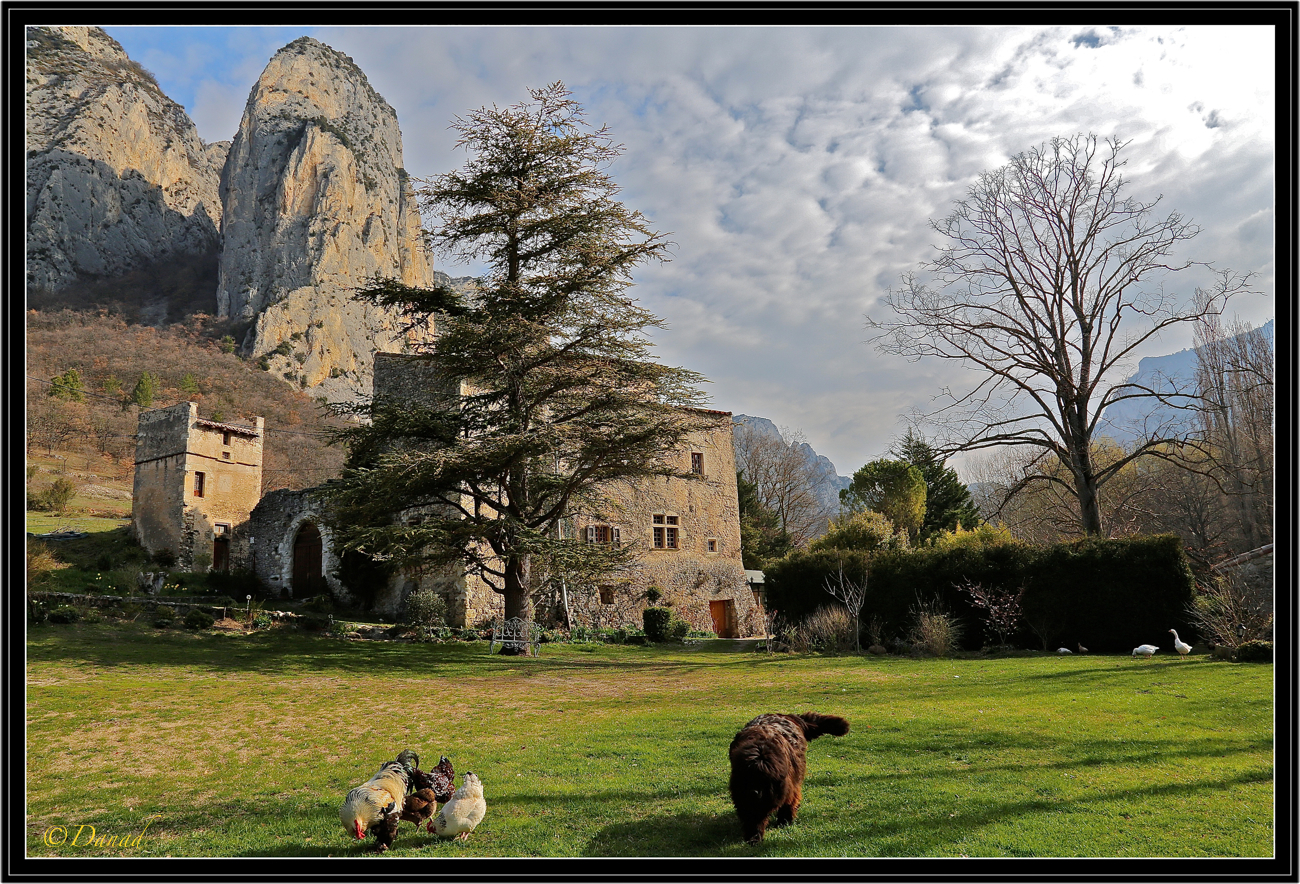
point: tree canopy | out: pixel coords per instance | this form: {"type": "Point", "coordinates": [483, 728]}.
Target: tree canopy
{"type": "Point", "coordinates": [552, 392]}
{"type": "Point", "coordinates": [948, 503]}
{"type": "Point", "coordinates": [893, 488]}
{"type": "Point", "coordinates": [1047, 281]}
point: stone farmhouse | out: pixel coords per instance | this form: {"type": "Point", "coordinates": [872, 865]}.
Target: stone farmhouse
{"type": "Point", "coordinates": [198, 494]}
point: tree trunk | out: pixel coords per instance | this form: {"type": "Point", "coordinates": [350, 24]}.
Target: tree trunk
{"type": "Point", "coordinates": [518, 599]}
{"type": "Point", "coordinates": [1085, 489]}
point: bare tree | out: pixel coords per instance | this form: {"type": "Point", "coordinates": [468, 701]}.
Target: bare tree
{"type": "Point", "coordinates": [1048, 283]}
{"type": "Point", "coordinates": [784, 478]}
{"type": "Point", "coordinates": [852, 594]}
{"type": "Point", "coordinates": [1235, 371]}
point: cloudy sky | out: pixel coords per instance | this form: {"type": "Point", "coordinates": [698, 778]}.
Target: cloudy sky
{"type": "Point", "coordinates": [797, 168]}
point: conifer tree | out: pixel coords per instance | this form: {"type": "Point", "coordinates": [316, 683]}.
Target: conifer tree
{"type": "Point", "coordinates": [556, 396]}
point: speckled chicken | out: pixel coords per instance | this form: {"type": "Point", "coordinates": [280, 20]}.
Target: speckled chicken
{"type": "Point", "coordinates": [441, 778]}
{"type": "Point", "coordinates": [376, 805]}
{"type": "Point", "coordinates": [428, 788]}
{"type": "Point", "coordinates": [463, 811]}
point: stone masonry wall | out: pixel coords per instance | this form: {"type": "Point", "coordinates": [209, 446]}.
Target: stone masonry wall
{"type": "Point", "coordinates": [706, 567]}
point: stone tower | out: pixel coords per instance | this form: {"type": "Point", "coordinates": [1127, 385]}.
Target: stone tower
{"type": "Point", "coordinates": [196, 482]}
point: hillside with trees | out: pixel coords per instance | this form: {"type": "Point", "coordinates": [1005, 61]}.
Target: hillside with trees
{"type": "Point", "coordinates": [89, 374]}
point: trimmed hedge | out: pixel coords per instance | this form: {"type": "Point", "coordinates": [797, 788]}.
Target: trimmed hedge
{"type": "Point", "coordinates": [1110, 595]}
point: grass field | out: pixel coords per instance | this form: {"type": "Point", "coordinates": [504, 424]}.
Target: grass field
{"type": "Point", "coordinates": [215, 745]}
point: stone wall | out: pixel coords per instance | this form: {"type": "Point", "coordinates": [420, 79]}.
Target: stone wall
{"type": "Point", "coordinates": [274, 526]}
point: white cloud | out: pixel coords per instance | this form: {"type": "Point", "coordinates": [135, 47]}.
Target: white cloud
{"type": "Point", "coordinates": [797, 168]}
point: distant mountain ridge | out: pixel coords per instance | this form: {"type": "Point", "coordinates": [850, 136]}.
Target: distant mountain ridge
{"type": "Point", "coordinates": [1173, 371]}
{"type": "Point", "coordinates": [829, 481]}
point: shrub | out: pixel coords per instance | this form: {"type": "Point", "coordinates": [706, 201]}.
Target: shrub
{"type": "Point", "coordinates": [864, 531]}
{"type": "Point", "coordinates": [163, 557]}
{"type": "Point", "coordinates": [425, 607]}
{"type": "Point", "coordinates": [236, 583]}
{"type": "Point", "coordinates": [827, 630]}
{"type": "Point", "coordinates": [40, 563]}
{"type": "Point", "coordinates": [262, 620]}
{"type": "Point", "coordinates": [37, 611]}
{"type": "Point", "coordinates": [1255, 651]}
{"type": "Point", "coordinates": [796, 584]}
{"type": "Point", "coordinates": [934, 630]}
{"type": "Point", "coordinates": [92, 615]}
{"type": "Point", "coordinates": [677, 629]}
{"type": "Point", "coordinates": [199, 619]}
{"type": "Point", "coordinates": [653, 594]}
{"type": "Point", "coordinates": [1226, 610]}
{"type": "Point", "coordinates": [318, 604]}
{"type": "Point", "coordinates": [656, 622]}
{"type": "Point", "coordinates": [54, 498]}
{"type": "Point", "coordinates": [164, 616]}
{"type": "Point", "coordinates": [65, 614]}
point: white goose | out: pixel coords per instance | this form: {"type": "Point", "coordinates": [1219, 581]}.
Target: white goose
{"type": "Point", "coordinates": [1182, 647]}
{"type": "Point", "coordinates": [1145, 650]}
{"type": "Point", "coordinates": [1064, 651]}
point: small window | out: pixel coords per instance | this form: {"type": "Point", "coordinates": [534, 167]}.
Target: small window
{"type": "Point", "coordinates": [603, 534]}
{"type": "Point", "coordinates": [697, 462]}
{"type": "Point", "coordinates": [712, 544]}
{"type": "Point", "coordinates": [606, 595]}
{"type": "Point", "coordinates": [225, 455]}
{"type": "Point", "coordinates": [665, 531]}
{"type": "Point", "coordinates": [198, 484]}
{"type": "Point", "coordinates": [221, 529]}
{"type": "Point", "coordinates": [225, 437]}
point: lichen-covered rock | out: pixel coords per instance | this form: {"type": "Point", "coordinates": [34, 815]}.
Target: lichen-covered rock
{"type": "Point", "coordinates": [314, 203]}
{"type": "Point", "coordinates": [117, 175]}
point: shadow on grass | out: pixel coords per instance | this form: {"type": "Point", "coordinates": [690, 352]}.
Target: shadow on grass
{"type": "Point", "coordinates": [133, 643]}
{"type": "Point", "coordinates": [677, 834]}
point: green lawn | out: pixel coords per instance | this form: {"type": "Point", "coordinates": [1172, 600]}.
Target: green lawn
{"type": "Point", "coordinates": [245, 746]}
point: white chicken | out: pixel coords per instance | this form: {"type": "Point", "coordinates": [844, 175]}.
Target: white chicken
{"type": "Point", "coordinates": [1145, 650]}
{"type": "Point", "coordinates": [463, 812]}
{"type": "Point", "coordinates": [1082, 649]}
{"type": "Point", "coordinates": [1182, 647]}
{"type": "Point", "coordinates": [1064, 651]}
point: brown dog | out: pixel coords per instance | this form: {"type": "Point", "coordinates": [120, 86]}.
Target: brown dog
{"type": "Point", "coordinates": [767, 766]}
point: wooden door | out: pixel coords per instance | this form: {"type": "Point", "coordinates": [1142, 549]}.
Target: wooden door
{"type": "Point", "coordinates": [221, 553]}
{"type": "Point", "coordinates": [307, 570]}
{"type": "Point", "coordinates": [723, 612]}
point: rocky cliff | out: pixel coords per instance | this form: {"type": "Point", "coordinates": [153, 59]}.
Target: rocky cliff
{"type": "Point", "coordinates": [314, 202]}
{"type": "Point", "coordinates": [826, 482]}
{"type": "Point", "coordinates": [117, 175]}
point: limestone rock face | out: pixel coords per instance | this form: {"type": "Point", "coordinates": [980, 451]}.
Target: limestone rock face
{"type": "Point", "coordinates": [315, 201]}
{"type": "Point", "coordinates": [117, 175]}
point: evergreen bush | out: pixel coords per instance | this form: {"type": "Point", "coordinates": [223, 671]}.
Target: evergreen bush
{"type": "Point", "coordinates": [1254, 651]}
{"type": "Point", "coordinates": [1111, 595]}
{"type": "Point", "coordinates": [65, 614]}
{"type": "Point", "coordinates": [199, 619]}
{"type": "Point", "coordinates": [656, 622]}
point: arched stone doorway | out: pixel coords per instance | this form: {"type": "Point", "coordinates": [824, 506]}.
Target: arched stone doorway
{"type": "Point", "coordinates": [308, 575]}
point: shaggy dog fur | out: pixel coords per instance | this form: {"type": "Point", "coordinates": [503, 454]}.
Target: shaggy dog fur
{"type": "Point", "coordinates": [768, 764]}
